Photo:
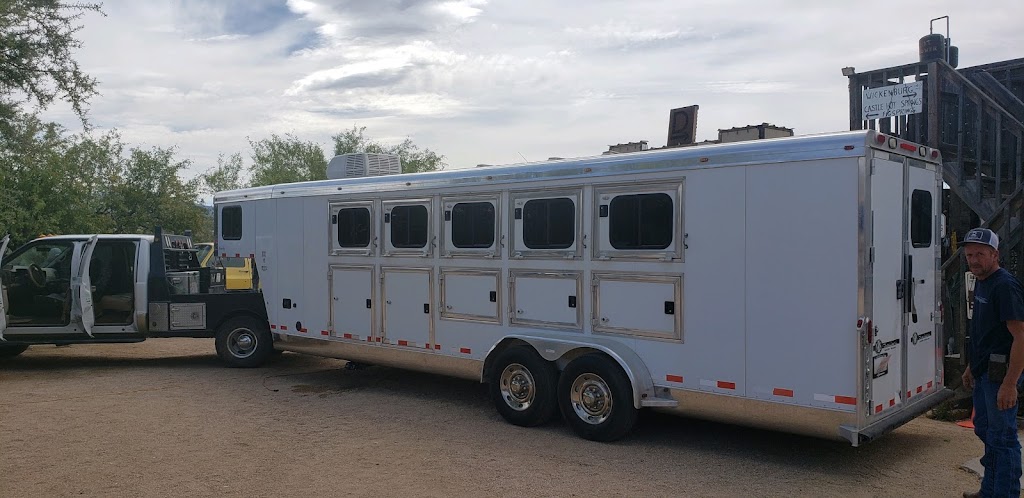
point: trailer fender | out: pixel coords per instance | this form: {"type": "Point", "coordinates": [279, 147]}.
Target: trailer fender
{"type": "Point", "coordinates": [558, 348]}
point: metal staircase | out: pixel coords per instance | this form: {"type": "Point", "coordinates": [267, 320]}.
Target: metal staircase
{"type": "Point", "coordinates": [975, 117]}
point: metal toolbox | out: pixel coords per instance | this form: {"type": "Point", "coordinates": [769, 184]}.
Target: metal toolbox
{"type": "Point", "coordinates": [187, 316]}
{"type": "Point", "coordinates": [183, 282]}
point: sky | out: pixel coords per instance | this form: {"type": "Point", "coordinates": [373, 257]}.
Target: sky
{"type": "Point", "coordinates": [497, 82]}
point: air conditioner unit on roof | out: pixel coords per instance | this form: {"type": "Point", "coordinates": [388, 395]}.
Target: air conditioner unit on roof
{"type": "Point", "coordinates": [363, 164]}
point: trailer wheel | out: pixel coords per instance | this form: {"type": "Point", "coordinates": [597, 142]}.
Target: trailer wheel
{"type": "Point", "coordinates": [523, 387]}
{"type": "Point", "coordinates": [243, 342]}
{"type": "Point", "coordinates": [596, 398]}
{"type": "Point", "coordinates": [9, 351]}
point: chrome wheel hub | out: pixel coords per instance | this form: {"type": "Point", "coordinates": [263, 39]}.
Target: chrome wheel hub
{"type": "Point", "coordinates": [591, 398]}
{"type": "Point", "coordinates": [517, 387]}
{"type": "Point", "coordinates": [242, 343]}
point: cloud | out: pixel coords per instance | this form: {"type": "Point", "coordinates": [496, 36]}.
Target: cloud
{"type": "Point", "coordinates": [490, 82]}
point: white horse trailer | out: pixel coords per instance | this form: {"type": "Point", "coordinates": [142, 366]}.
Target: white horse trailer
{"type": "Point", "coordinates": [790, 284]}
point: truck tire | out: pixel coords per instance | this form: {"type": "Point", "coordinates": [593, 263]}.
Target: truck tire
{"type": "Point", "coordinates": [10, 351]}
{"type": "Point", "coordinates": [243, 342]}
{"type": "Point", "coordinates": [523, 387]}
{"type": "Point", "coordinates": [596, 398]}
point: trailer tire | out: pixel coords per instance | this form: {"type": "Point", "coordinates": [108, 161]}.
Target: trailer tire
{"type": "Point", "coordinates": [596, 398]}
{"type": "Point", "coordinates": [243, 342]}
{"type": "Point", "coordinates": [9, 351]}
{"type": "Point", "coordinates": [524, 387]}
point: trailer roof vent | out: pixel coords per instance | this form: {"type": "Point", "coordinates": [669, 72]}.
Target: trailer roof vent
{"type": "Point", "coordinates": [363, 164]}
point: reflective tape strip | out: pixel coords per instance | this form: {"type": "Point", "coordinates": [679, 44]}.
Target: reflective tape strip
{"type": "Point", "coordinates": [403, 343]}
{"type": "Point", "coordinates": [437, 346]}
{"type": "Point", "coordinates": [378, 339]}
{"type": "Point", "coordinates": [674, 378]}
{"type": "Point", "coordinates": [464, 350]}
{"type": "Point", "coordinates": [348, 336]}
{"type": "Point", "coordinates": [929, 384]}
{"type": "Point", "coordinates": [892, 402]}
{"type": "Point", "coordinates": [878, 409]}
{"type": "Point", "coordinates": [284, 327]}
{"type": "Point", "coordinates": [778, 391]}
{"type": "Point", "coordinates": [919, 389]}
{"type": "Point", "coordinates": [238, 255]}
{"type": "Point", "coordinates": [719, 384]}
{"type": "Point", "coordinates": [273, 326]}
{"type": "Point", "coordinates": [324, 332]}
{"type": "Point", "coordinates": [841, 400]}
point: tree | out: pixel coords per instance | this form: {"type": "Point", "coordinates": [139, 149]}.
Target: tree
{"type": "Point", "coordinates": [37, 38]}
{"type": "Point", "coordinates": [413, 159]}
{"type": "Point", "coordinates": [226, 176]}
{"type": "Point", "coordinates": [147, 191]}
{"type": "Point", "coordinates": [285, 160]}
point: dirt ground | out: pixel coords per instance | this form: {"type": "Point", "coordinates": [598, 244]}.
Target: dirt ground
{"type": "Point", "coordinates": [164, 418]}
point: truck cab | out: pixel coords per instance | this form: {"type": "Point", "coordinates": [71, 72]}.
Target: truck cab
{"type": "Point", "coordinates": [102, 288]}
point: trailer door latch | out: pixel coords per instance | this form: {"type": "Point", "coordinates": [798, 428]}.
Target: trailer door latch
{"type": "Point", "coordinates": [900, 289]}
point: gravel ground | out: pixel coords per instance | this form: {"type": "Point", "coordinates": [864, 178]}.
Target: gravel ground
{"type": "Point", "coordinates": [164, 418]}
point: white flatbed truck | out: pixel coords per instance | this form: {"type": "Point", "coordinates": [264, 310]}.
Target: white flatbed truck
{"type": "Point", "coordinates": [102, 288]}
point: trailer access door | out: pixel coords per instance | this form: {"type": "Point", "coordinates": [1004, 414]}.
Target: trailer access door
{"type": "Point", "coordinates": [904, 204]}
{"type": "Point", "coordinates": [922, 350]}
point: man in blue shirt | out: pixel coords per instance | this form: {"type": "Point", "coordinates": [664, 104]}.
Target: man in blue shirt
{"type": "Point", "coordinates": [996, 361]}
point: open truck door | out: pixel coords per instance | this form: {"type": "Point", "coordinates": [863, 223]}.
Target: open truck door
{"type": "Point", "coordinates": [84, 290]}
{"type": "Point", "coordinates": [3, 305]}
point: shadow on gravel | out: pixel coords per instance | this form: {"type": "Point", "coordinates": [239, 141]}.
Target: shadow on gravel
{"type": "Point", "coordinates": [665, 435]}
{"type": "Point", "coordinates": [382, 380]}
{"type": "Point", "coordinates": [44, 359]}
{"type": "Point", "coordinates": [50, 363]}
{"type": "Point", "coordinates": [758, 446]}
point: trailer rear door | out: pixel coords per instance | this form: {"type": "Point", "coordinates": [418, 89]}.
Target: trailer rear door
{"type": "Point", "coordinates": [887, 286]}
{"type": "Point", "coordinates": [904, 208]}
{"type": "Point", "coordinates": [922, 347]}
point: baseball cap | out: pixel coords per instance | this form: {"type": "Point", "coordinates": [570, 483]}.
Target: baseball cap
{"type": "Point", "coordinates": [982, 236]}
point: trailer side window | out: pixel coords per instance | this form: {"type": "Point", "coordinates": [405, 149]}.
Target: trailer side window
{"type": "Point", "coordinates": [231, 222]}
{"type": "Point", "coordinates": [353, 227]}
{"type": "Point", "coordinates": [549, 223]}
{"type": "Point", "coordinates": [641, 221]}
{"type": "Point", "coordinates": [921, 218]}
{"type": "Point", "coordinates": [409, 227]}
{"type": "Point", "coordinates": [473, 225]}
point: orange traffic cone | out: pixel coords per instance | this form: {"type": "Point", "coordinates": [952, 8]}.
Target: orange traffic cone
{"type": "Point", "coordinates": [969, 423]}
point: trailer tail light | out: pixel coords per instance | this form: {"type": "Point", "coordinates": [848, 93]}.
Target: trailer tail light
{"type": "Point", "coordinates": [880, 138]}
{"type": "Point", "coordinates": [935, 154]}
{"type": "Point", "coordinates": [906, 146]}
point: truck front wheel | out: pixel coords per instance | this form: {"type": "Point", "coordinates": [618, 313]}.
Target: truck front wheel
{"type": "Point", "coordinates": [244, 342]}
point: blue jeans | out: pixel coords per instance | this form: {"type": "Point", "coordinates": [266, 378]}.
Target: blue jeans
{"type": "Point", "coordinates": [998, 430]}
